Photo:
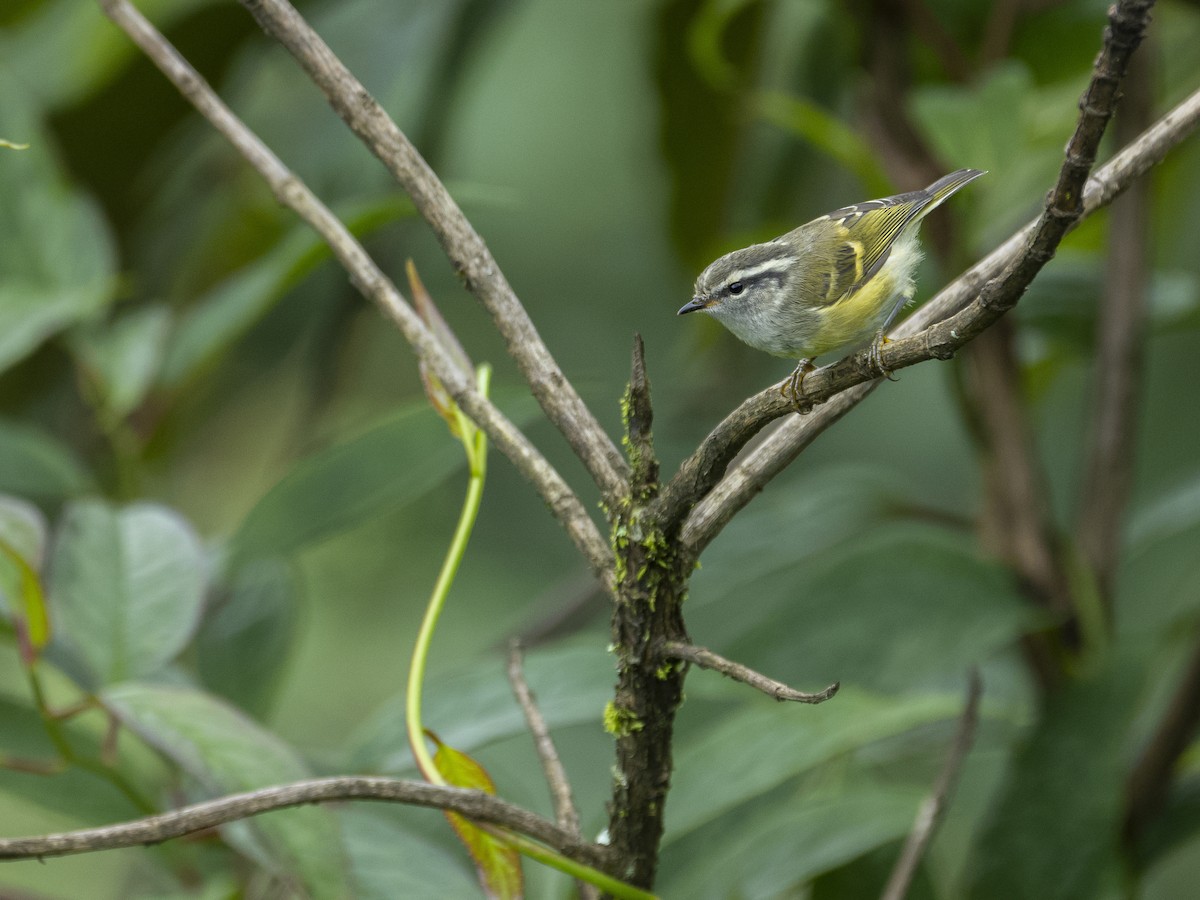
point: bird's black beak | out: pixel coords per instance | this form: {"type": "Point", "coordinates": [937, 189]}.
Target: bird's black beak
{"type": "Point", "coordinates": [692, 305]}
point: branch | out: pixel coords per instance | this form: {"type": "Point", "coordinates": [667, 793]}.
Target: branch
{"type": "Point", "coordinates": [372, 283]}
{"type": "Point", "coordinates": [849, 381]}
{"type": "Point", "coordinates": [556, 776]}
{"type": "Point", "coordinates": [462, 244]}
{"type": "Point", "coordinates": [1146, 790]}
{"type": "Point", "coordinates": [1120, 336]}
{"type": "Point", "coordinates": [476, 805]}
{"type": "Point", "coordinates": [929, 816]}
{"type": "Point", "coordinates": [777, 690]}
{"type": "Point", "coordinates": [565, 813]}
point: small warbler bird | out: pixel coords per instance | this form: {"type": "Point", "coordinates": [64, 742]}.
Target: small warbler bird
{"type": "Point", "coordinates": [827, 285]}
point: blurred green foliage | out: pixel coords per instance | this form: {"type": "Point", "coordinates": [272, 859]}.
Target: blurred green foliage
{"type": "Point", "coordinates": [219, 458]}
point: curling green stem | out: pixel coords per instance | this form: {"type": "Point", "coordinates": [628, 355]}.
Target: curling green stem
{"type": "Point", "coordinates": [475, 444]}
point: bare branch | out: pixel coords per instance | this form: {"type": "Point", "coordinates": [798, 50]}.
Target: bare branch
{"type": "Point", "coordinates": [848, 382]}
{"type": "Point", "coordinates": [373, 283]}
{"type": "Point", "coordinates": [1120, 337]}
{"type": "Point", "coordinates": [777, 690]}
{"type": "Point", "coordinates": [462, 244]}
{"type": "Point", "coordinates": [929, 816]}
{"type": "Point", "coordinates": [556, 776]}
{"type": "Point", "coordinates": [476, 805]}
{"type": "Point", "coordinates": [1146, 790]}
{"type": "Point", "coordinates": [565, 812]}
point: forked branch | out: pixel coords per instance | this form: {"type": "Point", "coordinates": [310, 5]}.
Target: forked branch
{"type": "Point", "coordinates": [373, 283]}
{"type": "Point", "coordinates": [462, 244]}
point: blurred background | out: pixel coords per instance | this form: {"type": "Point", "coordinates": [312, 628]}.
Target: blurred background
{"type": "Point", "coordinates": [196, 406]}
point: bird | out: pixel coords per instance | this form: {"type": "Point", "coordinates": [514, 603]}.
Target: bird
{"type": "Point", "coordinates": [828, 285]}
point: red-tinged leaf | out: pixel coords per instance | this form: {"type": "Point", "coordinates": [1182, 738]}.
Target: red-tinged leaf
{"type": "Point", "coordinates": [428, 311]}
{"type": "Point", "coordinates": [497, 864]}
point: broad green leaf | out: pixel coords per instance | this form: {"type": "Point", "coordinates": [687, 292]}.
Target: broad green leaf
{"type": "Point", "coordinates": [1054, 831]}
{"type": "Point", "coordinates": [247, 633]}
{"type": "Point", "coordinates": [497, 865]}
{"type": "Point", "coordinates": [85, 45]}
{"type": "Point", "coordinates": [34, 464]}
{"type": "Point", "coordinates": [901, 604]}
{"type": "Point", "coordinates": [802, 835]}
{"type": "Point", "coordinates": [1062, 304]}
{"type": "Point", "coordinates": [223, 751]}
{"type": "Point", "coordinates": [127, 587]}
{"type": "Point", "coordinates": [22, 545]}
{"type": "Point", "coordinates": [397, 461]}
{"type": "Point", "coordinates": [475, 706]}
{"type": "Point", "coordinates": [1004, 123]}
{"type": "Point", "coordinates": [23, 528]}
{"type": "Point", "coordinates": [121, 358]}
{"type": "Point", "coordinates": [819, 512]}
{"type": "Point", "coordinates": [227, 311]}
{"type": "Point", "coordinates": [57, 262]}
{"type": "Point", "coordinates": [764, 745]}
{"type": "Point", "coordinates": [388, 860]}
{"type": "Point", "coordinates": [75, 793]}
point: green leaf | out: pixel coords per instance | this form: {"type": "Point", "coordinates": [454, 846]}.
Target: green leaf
{"type": "Point", "coordinates": [388, 860]}
{"type": "Point", "coordinates": [57, 261]}
{"type": "Point", "coordinates": [226, 312]}
{"type": "Point", "coordinates": [497, 864]}
{"type": "Point", "coordinates": [1054, 832]}
{"type": "Point", "coordinates": [85, 46]}
{"type": "Point", "coordinates": [127, 587]}
{"type": "Point", "coordinates": [74, 793]}
{"type": "Point", "coordinates": [120, 359]}
{"type": "Point", "coordinates": [475, 706]}
{"type": "Point", "coordinates": [820, 830]}
{"type": "Point", "coordinates": [1008, 125]}
{"type": "Point", "coordinates": [246, 635]}
{"type": "Point", "coordinates": [755, 750]}
{"type": "Point", "coordinates": [225, 752]}
{"type": "Point", "coordinates": [35, 464]}
{"type": "Point", "coordinates": [22, 545]}
{"type": "Point", "coordinates": [394, 463]}
{"type": "Point", "coordinates": [902, 604]}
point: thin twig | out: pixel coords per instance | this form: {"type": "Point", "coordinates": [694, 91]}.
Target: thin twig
{"type": "Point", "coordinates": [1121, 334]}
{"type": "Point", "coordinates": [556, 776]}
{"type": "Point", "coordinates": [462, 244]}
{"type": "Point", "coordinates": [372, 282]}
{"type": "Point", "coordinates": [933, 808]}
{"type": "Point", "coordinates": [565, 813]}
{"type": "Point", "coordinates": [475, 805]}
{"type": "Point", "coordinates": [777, 690]}
{"type": "Point", "coordinates": [914, 340]}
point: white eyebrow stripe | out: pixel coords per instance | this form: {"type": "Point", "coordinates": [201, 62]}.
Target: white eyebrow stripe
{"type": "Point", "coordinates": [778, 266]}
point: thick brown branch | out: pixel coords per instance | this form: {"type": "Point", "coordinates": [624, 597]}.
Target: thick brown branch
{"type": "Point", "coordinates": [914, 340]}
{"type": "Point", "coordinates": [929, 816]}
{"type": "Point", "coordinates": [476, 805]}
{"type": "Point", "coordinates": [1120, 337]}
{"type": "Point", "coordinates": [777, 690]}
{"type": "Point", "coordinates": [462, 244]}
{"type": "Point", "coordinates": [372, 282]}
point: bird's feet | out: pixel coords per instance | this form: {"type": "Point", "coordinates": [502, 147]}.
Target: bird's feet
{"type": "Point", "coordinates": [875, 356]}
{"type": "Point", "coordinates": [793, 388]}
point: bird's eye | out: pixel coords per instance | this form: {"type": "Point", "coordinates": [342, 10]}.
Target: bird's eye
{"type": "Point", "coordinates": [736, 287]}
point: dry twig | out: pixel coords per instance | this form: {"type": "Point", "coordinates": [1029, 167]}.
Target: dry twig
{"type": "Point", "coordinates": [476, 805]}
{"type": "Point", "coordinates": [776, 690]}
